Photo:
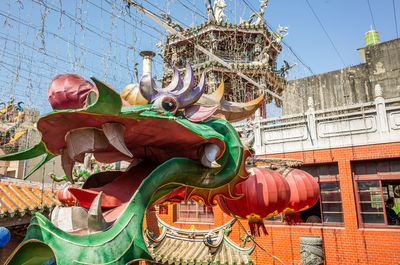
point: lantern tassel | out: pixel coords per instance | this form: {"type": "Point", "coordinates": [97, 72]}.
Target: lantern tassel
{"type": "Point", "coordinates": [252, 228]}
{"type": "Point", "coordinates": [292, 218]}
{"type": "Point", "coordinates": [255, 223]}
{"type": "Point", "coordinates": [255, 228]}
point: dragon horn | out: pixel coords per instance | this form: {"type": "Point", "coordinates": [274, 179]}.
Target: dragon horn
{"type": "Point", "coordinates": [147, 87]}
{"type": "Point", "coordinates": [195, 94]}
{"type": "Point", "coordinates": [176, 82]}
{"type": "Point", "coordinates": [213, 99]}
{"type": "Point", "coordinates": [107, 101]}
{"type": "Point", "coordinates": [234, 112]}
{"type": "Point", "coordinates": [182, 92]}
{"type": "Point", "coordinates": [132, 95]}
{"type": "Point", "coordinates": [188, 80]}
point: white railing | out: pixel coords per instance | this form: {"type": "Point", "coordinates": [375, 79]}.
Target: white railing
{"type": "Point", "coordinates": [359, 124]}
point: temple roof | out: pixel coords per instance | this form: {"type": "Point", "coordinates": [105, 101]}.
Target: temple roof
{"type": "Point", "coordinates": [18, 198]}
{"type": "Point", "coordinates": [224, 26]}
{"type": "Point", "coordinates": [185, 246]}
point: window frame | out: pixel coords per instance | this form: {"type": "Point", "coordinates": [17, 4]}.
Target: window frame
{"type": "Point", "coordinates": [379, 176]}
{"type": "Point", "coordinates": [330, 179]}
{"type": "Point", "coordinates": [324, 179]}
{"type": "Point", "coordinates": [195, 220]}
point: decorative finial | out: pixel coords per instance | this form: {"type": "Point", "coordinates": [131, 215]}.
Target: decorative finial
{"type": "Point", "coordinates": [378, 90]}
{"type": "Point", "coordinates": [310, 102]}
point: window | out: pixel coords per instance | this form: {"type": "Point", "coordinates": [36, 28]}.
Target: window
{"type": "Point", "coordinates": [328, 209]}
{"type": "Point", "coordinates": [375, 182]}
{"type": "Point", "coordinates": [193, 212]}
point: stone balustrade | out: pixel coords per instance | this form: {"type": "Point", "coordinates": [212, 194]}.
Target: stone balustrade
{"type": "Point", "coordinates": [367, 123]}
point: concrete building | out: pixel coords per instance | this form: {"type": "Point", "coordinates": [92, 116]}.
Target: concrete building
{"type": "Point", "coordinates": [351, 85]}
{"type": "Point", "coordinates": [27, 136]}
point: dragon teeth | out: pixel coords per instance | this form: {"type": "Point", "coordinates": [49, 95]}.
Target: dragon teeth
{"type": "Point", "coordinates": [96, 222]}
{"type": "Point", "coordinates": [209, 154]}
{"type": "Point", "coordinates": [67, 164]}
{"type": "Point", "coordinates": [115, 135]}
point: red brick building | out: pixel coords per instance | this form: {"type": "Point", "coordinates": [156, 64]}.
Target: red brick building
{"type": "Point", "coordinates": [351, 241]}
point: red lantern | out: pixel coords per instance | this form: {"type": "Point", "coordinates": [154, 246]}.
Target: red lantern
{"type": "Point", "coordinates": [265, 194]}
{"type": "Point", "coordinates": [66, 197]}
{"type": "Point", "coordinates": [304, 192]}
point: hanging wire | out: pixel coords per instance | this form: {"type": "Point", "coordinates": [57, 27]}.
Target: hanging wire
{"type": "Point", "coordinates": [326, 33]}
{"type": "Point", "coordinates": [61, 47]}
{"type": "Point", "coordinates": [300, 60]}
{"type": "Point", "coordinates": [395, 19]}
{"type": "Point", "coordinates": [370, 12]}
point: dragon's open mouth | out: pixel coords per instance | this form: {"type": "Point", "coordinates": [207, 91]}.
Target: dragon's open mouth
{"type": "Point", "coordinates": [145, 143]}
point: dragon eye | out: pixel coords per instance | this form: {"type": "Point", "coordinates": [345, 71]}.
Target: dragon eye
{"type": "Point", "coordinates": [169, 104]}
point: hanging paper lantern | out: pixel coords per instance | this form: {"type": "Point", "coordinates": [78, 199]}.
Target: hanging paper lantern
{"type": "Point", "coordinates": [265, 194]}
{"type": "Point", "coordinates": [69, 91]}
{"type": "Point", "coordinates": [4, 236]}
{"type": "Point", "coordinates": [66, 197]}
{"type": "Point", "coordinates": [304, 193]}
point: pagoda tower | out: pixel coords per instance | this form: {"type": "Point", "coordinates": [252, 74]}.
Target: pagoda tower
{"type": "Point", "coordinates": [249, 48]}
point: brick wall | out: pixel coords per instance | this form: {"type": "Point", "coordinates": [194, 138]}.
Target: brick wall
{"type": "Point", "coordinates": [348, 244]}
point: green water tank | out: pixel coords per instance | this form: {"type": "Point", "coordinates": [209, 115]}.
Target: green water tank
{"type": "Point", "coordinates": [371, 38]}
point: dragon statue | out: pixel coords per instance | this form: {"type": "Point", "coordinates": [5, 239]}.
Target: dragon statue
{"type": "Point", "coordinates": [278, 36]}
{"type": "Point", "coordinates": [259, 15]}
{"type": "Point", "coordinates": [174, 25]}
{"type": "Point", "coordinates": [175, 138]}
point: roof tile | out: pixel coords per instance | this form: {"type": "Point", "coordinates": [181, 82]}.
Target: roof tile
{"type": "Point", "coordinates": [19, 198]}
{"type": "Point", "coordinates": [183, 247]}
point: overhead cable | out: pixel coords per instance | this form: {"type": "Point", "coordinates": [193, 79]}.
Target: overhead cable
{"type": "Point", "coordinates": [326, 33]}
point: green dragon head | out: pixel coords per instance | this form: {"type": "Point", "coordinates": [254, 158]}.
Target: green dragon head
{"type": "Point", "coordinates": [181, 139]}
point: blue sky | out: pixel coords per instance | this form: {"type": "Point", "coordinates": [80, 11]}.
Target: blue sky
{"type": "Point", "coordinates": [345, 21]}
{"type": "Point", "coordinates": [101, 38]}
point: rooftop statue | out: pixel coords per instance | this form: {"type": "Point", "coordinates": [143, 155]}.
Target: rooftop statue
{"type": "Point", "coordinates": [219, 7]}
{"type": "Point", "coordinates": [260, 14]}
{"type": "Point", "coordinates": [279, 35]}
{"type": "Point", "coordinates": [285, 68]}
{"type": "Point", "coordinates": [169, 22]}
{"type": "Point", "coordinates": [210, 13]}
